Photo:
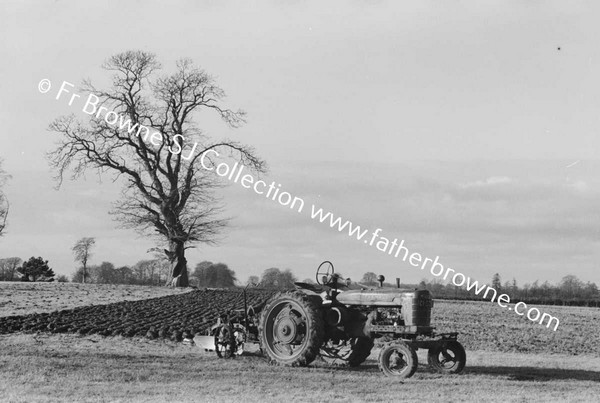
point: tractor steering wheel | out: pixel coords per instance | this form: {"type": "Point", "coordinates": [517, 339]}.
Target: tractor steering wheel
{"type": "Point", "coordinates": [325, 269]}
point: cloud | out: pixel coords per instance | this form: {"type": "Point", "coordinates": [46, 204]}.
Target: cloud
{"type": "Point", "coordinates": [519, 219]}
{"type": "Point", "coordinates": [579, 186]}
{"type": "Point", "coordinates": [491, 181]}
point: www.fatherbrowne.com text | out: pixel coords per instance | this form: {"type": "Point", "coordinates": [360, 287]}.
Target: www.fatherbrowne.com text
{"type": "Point", "coordinates": [394, 248]}
{"type": "Point", "coordinates": [273, 191]}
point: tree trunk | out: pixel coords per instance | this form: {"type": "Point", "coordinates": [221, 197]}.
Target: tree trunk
{"type": "Point", "coordinates": [179, 274]}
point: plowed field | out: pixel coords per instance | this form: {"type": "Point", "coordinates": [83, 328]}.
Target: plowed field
{"type": "Point", "coordinates": [482, 325]}
{"type": "Point", "coordinates": [170, 316]}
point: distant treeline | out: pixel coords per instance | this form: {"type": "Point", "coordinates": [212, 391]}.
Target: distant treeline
{"type": "Point", "coordinates": [144, 272]}
{"type": "Point", "coordinates": [155, 272]}
{"type": "Point", "coordinates": [569, 291]}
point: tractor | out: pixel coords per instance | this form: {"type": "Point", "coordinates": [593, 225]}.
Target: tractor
{"type": "Point", "coordinates": [340, 321]}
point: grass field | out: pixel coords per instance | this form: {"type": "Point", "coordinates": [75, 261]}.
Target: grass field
{"type": "Point", "coordinates": [484, 325]}
{"type": "Point", "coordinates": [72, 367]}
{"type": "Point", "coordinates": [61, 368]}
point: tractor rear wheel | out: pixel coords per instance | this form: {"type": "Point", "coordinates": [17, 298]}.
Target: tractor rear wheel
{"type": "Point", "coordinates": [447, 358]}
{"type": "Point", "coordinates": [291, 329]}
{"type": "Point", "coordinates": [398, 359]}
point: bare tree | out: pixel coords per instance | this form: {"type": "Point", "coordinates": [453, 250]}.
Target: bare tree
{"type": "Point", "coordinates": [83, 251]}
{"type": "Point", "coordinates": [166, 190]}
{"type": "Point", "coordinates": [570, 286]}
{"type": "Point", "coordinates": [4, 205]}
{"type": "Point", "coordinates": [151, 271]}
{"type": "Point", "coordinates": [8, 268]}
{"type": "Point", "coordinates": [496, 282]}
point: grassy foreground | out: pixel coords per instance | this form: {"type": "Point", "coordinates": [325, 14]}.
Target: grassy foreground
{"type": "Point", "coordinates": [68, 367]}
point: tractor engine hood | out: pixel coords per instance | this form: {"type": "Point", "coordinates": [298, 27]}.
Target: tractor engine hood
{"type": "Point", "coordinates": [391, 297]}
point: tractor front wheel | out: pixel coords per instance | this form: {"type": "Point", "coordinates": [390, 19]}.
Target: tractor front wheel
{"type": "Point", "coordinates": [291, 329]}
{"type": "Point", "coordinates": [447, 358]}
{"type": "Point", "coordinates": [398, 359]}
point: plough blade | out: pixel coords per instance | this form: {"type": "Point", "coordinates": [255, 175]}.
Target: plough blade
{"type": "Point", "coordinates": [205, 342]}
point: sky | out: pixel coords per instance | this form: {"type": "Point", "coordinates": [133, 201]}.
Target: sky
{"type": "Point", "coordinates": [467, 128]}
